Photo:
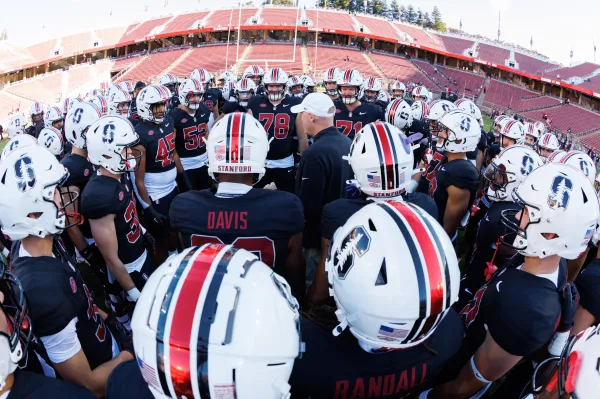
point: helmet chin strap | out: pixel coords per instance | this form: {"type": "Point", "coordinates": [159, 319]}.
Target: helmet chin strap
{"type": "Point", "coordinates": [341, 316]}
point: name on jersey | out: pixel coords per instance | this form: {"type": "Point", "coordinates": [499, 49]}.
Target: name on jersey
{"type": "Point", "coordinates": [234, 168]}
{"type": "Point", "coordinates": [227, 220]}
{"type": "Point", "coordinates": [387, 195]}
{"type": "Point", "coordinates": [382, 385]}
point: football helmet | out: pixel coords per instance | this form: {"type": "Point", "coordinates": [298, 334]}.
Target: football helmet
{"type": "Point", "coordinates": [52, 139]}
{"type": "Point", "coordinates": [16, 125]}
{"type": "Point", "coordinates": [114, 88]}
{"type": "Point", "coordinates": [461, 130]}
{"type": "Point", "coordinates": [371, 88]}
{"type": "Point", "coordinates": [189, 88]}
{"type": "Point", "coordinates": [382, 160]}
{"type": "Point", "coordinates": [228, 89]}
{"type": "Point", "coordinates": [255, 73]}
{"type": "Point", "coordinates": [119, 102]}
{"type": "Point", "coordinates": [100, 102]}
{"type": "Point", "coordinates": [225, 77]}
{"type": "Point", "coordinates": [350, 78]}
{"type": "Point", "coordinates": [556, 156]}
{"type": "Point", "coordinates": [295, 87]}
{"type": "Point", "coordinates": [150, 96]}
{"type": "Point", "coordinates": [435, 110]}
{"type": "Point", "coordinates": [202, 76]}
{"type": "Point", "coordinates": [36, 113]}
{"type": "Point", "coordinates": [383, 96]}
{"type": "Point", "coordinates": [513, 130]}
{"type": "Point", "coordinates": [377, 265]}
{"type": "Point", "coordinates": [95, 92]}
{"type": "Point", "coordinates": [78, 120]}
{"type": "Point", "coordinates": [499, 122]}
{"type": "Point", "coordinates": [30, 177]}
{"type": "Point", "coordinates": [547, 144]}
{"type": "Point", "coordinates": [470, 108]}
{"type": "Point", "coordinates": [69, 103]}
{"type": "Point", "coordinates": [421, 93]}
{"type": "Point", "coordinates": [309, 84]}
{"type": "Point", "coordinates": [275, 77]}
{"type": "Point", "coordinates": [419, 109]}
{"type": "Point", "coordinates": [540, 128]}
{"type": "Point", "coordinates": [582, 161]}
{"type": "Point", "coordinates": [508, 169]}
{"type": "Point", "coordinates": [330, 80]}
{"type": "Point", "coordinates": [107, 138]}
{"type": "Point", "coordinates": [531, 134]}
{"type": "Point", "coordinates": [170, 81]}
{"type": "Point", "coordinates": [127, 86]}
{"type": "Point", "coordinates": [559, 200]}
{"type": "Point", "coordinates": [244, 90]}
{"type": "Point", "coordinates": [21, 140]}
{"type": "Point", "coordinates": [237, 144]}
{"type": "Point", "coordinates": [54, 118]}
{"type": "Point", "coordinates": [245, 320]}
{"type": "Point", "coordinates": [399, 114]}
{"type": "Point", "coordinates": [398, 89]}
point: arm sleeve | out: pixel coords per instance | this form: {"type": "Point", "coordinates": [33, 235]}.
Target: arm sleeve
{"type": "Point", "coordinates": [211, 121]}
{"type": "Point", "coordinates": [63, 345]}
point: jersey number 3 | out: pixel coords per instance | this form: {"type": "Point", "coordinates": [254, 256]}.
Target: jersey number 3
{"type": "Point", "coordinates": [166, 147]}
{"type": "Point", "coordinates": [263, 247]}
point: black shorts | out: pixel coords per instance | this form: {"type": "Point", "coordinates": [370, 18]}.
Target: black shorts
{"type": "Point", "coordinates": [284, 179]}
{"type": "Point", "coordinates": [199, 178]}
{"type": "Point", "coordinates": [162, 206]}
{"type": "Point", "coordinates": [140, 278]}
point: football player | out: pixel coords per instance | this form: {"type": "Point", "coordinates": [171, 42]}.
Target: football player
{"type": "Point", "coordinates": [225, 77]}
{"type": "Point", "coordinates": [398, 90]}
{"type": "Point", "coordinates": [282, 126]}
{"type": "Point", "coordinates": [504, 174]}
{"type": "Point", "coordinates": [109, 205]}
{"type": "Point", "coordinates": [531, 135]}
{"type": "Point", "coordinates": [558, 210]}
{"type": "Point", "coordinates": [421, 93]}
{"type": "Point", "coordinates": [119, 103]}
{"type": "Point", "coordinates": [294, 87]}
{"type": "Point", "coordinates": [36, 117]}
{"type": "Point", "coordinates": [244, 90]}
{"type": "Point", "coordinates": [160, 170]}
{"type": "Point", "coordinates": [15, 337]}
{"type": "Point", "coordinates": [370, 91]}
{"type": "Point", "coordinates": [52, 139]}
{"type": "Point", "coordinates": [171, 82]}
{"type": "Point", "coordinates": [100, 102]}
{"type": "Point", "coordinates": [511, 133]}
{"type": "Point", "coordinates": [235, 212]}
{"type": "Point", "coordinates": [240, 318]}
{"type": "Point", "coordinates": [15, 126]}
{"type": "Point", "coordinates": [67, 104]}
{"type": "Point", "coordinates": [330, 80]}
{"type": "Point", "coordinates": [351, 114]}
{"type": "Point", "coordinates": [192, 122]}
{"type": "Point", "coordinates": [309, 84]}
{"type": "Point", "coordinates": [546, 145]}
{"type": "Point", "coordinates": [475, 156]}
{"type": "Point", "coordinates": [381, 158]}
{"type": "Point", "coordinates": [54, 118]}
{"type": "Point", "coordinates": [255, 73]}
{"type": "Point", "coordinates": [134, 118]}
{"type": "Point", "coordinates": [63, 315]}
{"type": "Point", "coordinates": [211, 97]}
{"type": "Point", "coordinates": [394, 277]}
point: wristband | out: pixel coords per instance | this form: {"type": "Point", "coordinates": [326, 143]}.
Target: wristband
{"type": "Point", "coordinates": [476, 372]}
{"type": "Point", "coordinates": [558, 342]}
{"type": "Point", "coordinates": [5, 252]}
{"type": "Point", "coordinates": [134, 294]}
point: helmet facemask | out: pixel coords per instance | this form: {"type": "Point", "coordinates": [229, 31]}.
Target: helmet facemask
{"type": "Point", "coordinates": [349, 98]}
{"type": "Point", "coordinates": [273, 93]}
{"type": "Point", "coordinates": [371, 96]}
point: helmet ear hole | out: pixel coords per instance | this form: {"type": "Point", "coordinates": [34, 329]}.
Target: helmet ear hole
{"type": "Point", "coordinates": [382, 277]}
{"type": "Point", "coordinates": [372, 225]}
{"type": "Point", "coordinates": [364, 149]}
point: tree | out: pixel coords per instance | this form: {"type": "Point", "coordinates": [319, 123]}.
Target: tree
{"type": "Point", "coordinates": [419, 17]}
{"type": "Point", "coordinates": [411, 15]}
{"type": "Point", "coordinates": [289, 3]}
{"type": "Point", "coordinates": [394, 10]}
{"type": "Point", "coordinates": [403, 13]}
{"type": "Point", "coordinates": [438, 24]}
{"type": "Point", "coordinates": [427, 21]}
{"type": "Point", "coordinates": [4, 35]}
{"type": "Point", "coordinates": [378, 7]}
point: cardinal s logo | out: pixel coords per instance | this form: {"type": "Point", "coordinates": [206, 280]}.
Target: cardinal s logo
{"type": "Point", "coordinates": [24, 173]}
{"type": "Point", "coordinates": [49, 141]}
{"type": "Point", "coordinates": [560, 193]}
{"type": "Point", "coordinates": [356, 243]}
{"type": "Point", "coordinates": [108, 134]}
{"type": "Point", "coordinates": [584, 167]}
{"type": "Point", "coordinates": [526, 165]}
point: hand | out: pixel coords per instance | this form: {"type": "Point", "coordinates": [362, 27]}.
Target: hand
{"type": "Point", "coordinates": [570, 301]}
{"type": "Point", "coordinates": [149, 242]}
{"type": "Point", "coordinates": [93, 256]}
{"type": "Point", "coordinates": [123, 336]}
{"type": "Point", "coordinates": [158, 218]}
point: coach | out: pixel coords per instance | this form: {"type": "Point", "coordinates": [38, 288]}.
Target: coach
{"type": "Point", "coordinates": [322, 174]}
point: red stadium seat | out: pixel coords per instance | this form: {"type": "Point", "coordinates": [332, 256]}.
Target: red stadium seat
{"type": "Point", "coordinates": [151, 66]}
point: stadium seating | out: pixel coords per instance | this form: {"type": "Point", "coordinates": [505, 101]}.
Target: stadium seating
{"type": "Point", "coordinates": [378, 27]}
{"type": "Point", "coordinates": [531, 65]}
{"type": "Point", "coordinates": [454, 45]}
{"type": "Point", "coordinates": [124, 63]}
{"type": "Point", "coordinates": [468, 82]}
{"type": "Point", "coordinates": [565, 117]}
{"type": "Point", "coordinates": [493, 54]}
{"type": "Point", "coordinates": [568, 72]}
{"type": "Point", "coordinates": [140, 31]}
{"type": "Point", "coordinates": [10, 103]}
{"type": "Point", "coordinates": [502, 95]}
{"type": "Point", "coordinates": [339, 20]}
{"type": "Point", "coordinates": [185, 22]}
{"type": "Point", "coordinates": [42, 51]}
{"type": "Point", "coordinates": [592, 84]}
{"type": "Point", "coordinates": [401, 69]}
{"type": "Point", "coordinates": [421, 37]}
{"type": "Point", "coordinates": [334, 57]}
{"type": "Point", "coordinates": [534, 103]}
{"type": "Point", "coordinates": [212, 58]}
{"type": "Point", "coordinates": [279, 16]}
{"type": "Point", "coordinates": [433, 73]}
{"type": "Point", "coordinates": [592, 141]}
{"type": "Point", "coordinates": [275, 52]}
{"type": "Point", "coordinates": [224, 18]}
{"type": "Point", "coordinates": [151, 66]}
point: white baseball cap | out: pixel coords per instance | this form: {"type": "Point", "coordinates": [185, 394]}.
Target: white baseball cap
{"type": "Point", "coordinates": [318, 104]}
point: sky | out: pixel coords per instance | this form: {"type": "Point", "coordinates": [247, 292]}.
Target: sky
{"type": "Point", "coordinates": [556, 26]}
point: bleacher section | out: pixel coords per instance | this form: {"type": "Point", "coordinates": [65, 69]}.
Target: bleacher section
{"type": "Point", "coordinates": [493, 54]}
{"type": "Point", "coordinates": [151, 66]}
{"type": "Point", "coordinates": [454, 45]}
{"type": "Point", "coordinates": [334, 57]}
{"type": "Point", "coordinates": [341, 20]}
{"type": "Point", "coordinates": [568, 72]}
{"type": "Point", "coordinates": [467, 82]}
{"type": "Point", "coordinates": [9, 104]}
{"type": "Point", "coordinates": [140, 31]}
{"type": "Point", "coordinates": [420, 36]}
{"type": "Point", "coordinates": [531, 65]}
{"type": "Point", "coordinates": [433, 73]}
{"type": "Point", "coordinates": [185, 22]}
{"type": "Point", "coordinates": [592, 84]}
{"type": "Point", "coordinates": [565, 117]}
{"type": "Point", "coordinates": [224, 18]}
{"type": "Point", "coordinates": [209, 57]}
{"type": "Point", "coordinates": [378, 27]}
{"type": "Point", "coordinates": [502, 95]}
{"type": "Point", "coordinates": [124, 63]}
{"type": "Point", "coordinates": [592, 141]}
{"type": "Point", "coordinates": [279, 16]}
{"type": "Point", "coordinates": [401, 69]}
{"type": "Point", "coordinates": [534, 103]}
{"type": "Point", "coordinates": [276, 52]}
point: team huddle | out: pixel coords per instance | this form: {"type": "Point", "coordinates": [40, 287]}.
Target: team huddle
{"type": "Point", "coordinates": [258, 238]}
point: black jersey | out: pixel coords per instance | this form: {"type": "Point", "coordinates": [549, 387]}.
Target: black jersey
{"type": "Point", "coordinates": [159, 144]}
{"type": "Point", "coordinates": [126, 382]}
{"type": "Point", "coordinates": [429, 173]}
{"type": "Point", "coordinates": [233, 106]}
{"type": "Point", "coordinates": [35, 129]}
{"type": "Point", "coordinates": [212, 97]}
{"type": "Point", "coordinates": [460, 173]}
{"type": "Point", "coordinates": [80, 172]}
{"type": "Point", "coordinates": [337, 367]}
{"type": "Point", "coordinates": [481, 146]}
{"type": "Point", "coordinates": [336, 213]}
{"type": "Point", "coordinates": [241, 220]}
{"type": "Point", "coordinates": [587, 284]}
{"type": "Point", "coordinates": [56, 295]}
{"type": "Point", "coordinates": [279, 122]}
{"type": "Point", "coordinates": [36, 386]}
{"type": "Point", "coordinates": [191, 131]}
{"type": "Point", "coordinates": [104, 196]}
{"type": "Point", "coordinates": [351, 122]}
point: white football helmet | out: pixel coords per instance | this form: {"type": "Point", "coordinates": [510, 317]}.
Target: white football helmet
{"type": "Point", "coordinates": [508, 169]}
{"type": "Point", "coordinates": [547, 144]}
{"type": "Point", "coordinates": [331, 75]}
{"type": "Point", "coordinates": [377, 267]}
{"type": "Point", "coordinates": [435, 110]}
{"type": "Point", "coordinates": [295, 87]}
{"type": "Point", "coordinates": [275, 76]}
{"type": "Point", "coordinates": [399, 114]}
{"type": "Point", "coordinates": [421, 93]}
{"type": "Point", "coordinates": [350, 78]}
{"type": "Point", "coordinates": [513, 129]}
{"type": "Point", "coordinates": [21, 140]}
{"type": "Point", "coordinates": [190, 87]}
{"type": "Point", "coordinates": [16, 125]}
{"type": "Point", "coordinates": [52, 139]}
{"type": "Point", "coordinates": [470, 108]}
{"type": "Point", "coordinates": [398, 89]}
{"type": "Point", "coordinates": [149, 96]}
{"type": "Point", "coordinates": [418, 109]}
{"type": "Point", "coordinates": [243, 333]}
{"type": "Point", "coordinates": [52, 116]}
{"type": "Point", "coordinates": [36, 109]}
{"type": "Point", "coordinates": [499, 123]}
{"type": "Point", "coordinates": [68, 103]}
{"type": "Point", "coordinates": [114, 88]}
{"type": "Point", "coordinates": [107, 138]}
{"type": "Point", "coordinates": [237, 144]}
{"type": "Point", "coordinates": [559, 200]}
{"type": "Point", "coordinates": [309, 84]}
{"type": "Point", "coordinates": [170, 81]}
{"type": "Point", "coordinates": [371, 88]}
{"type": "Point", "coordinates": [228, 89]}
{"type": "Point", "coordinates": [382, 160]}
{"type": "Point", "coordinates": [255, 73]}
{"type": "Point", "coordinates": [582, 161]}
{"type": "Point", "coordinates": [77, 122]}
{"type": "Point", "coordinates": [31, 174]}
{"type": "Point", "coordinates": [384, 96]}
{"type": "Point", "coordinates": [556, 156]}
{"type": "Point", "coordinates": [100, 102]}
{"type": "Point", "coordinates": [202, 76]}
{"type": "Point", "coordinates": [244, 90]}
{"type": "Point", "coordinates": [531, 134]}
{"type": "Point", "coordinates": [540, 128]}
{"type": "Point", "coordinates": [119, 102]}
{"type": "Point", "coordinates": [225, 77]}
{"type": "Point", "coordinates": [127, 86]}
{"type": "Point", "coordinates": [462, 132]}
{"type": "Point", "coordinates": [95, 92]}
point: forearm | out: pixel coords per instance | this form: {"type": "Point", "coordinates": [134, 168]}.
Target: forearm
{"type": "Point", "coordinates": [99, 376]}
{"type": "Point", "coordinates": [117, 268]}
{"type": "Point", "coordinates": [142, 191]}
{"type": "Point", "coordinates": [77, 238]}
{"type": "Point", "coordinates": [178, 163]}
{"type": "Point", "coordinates": [451, 222]}
{"type": "Point", "coordinates": [296, 272]}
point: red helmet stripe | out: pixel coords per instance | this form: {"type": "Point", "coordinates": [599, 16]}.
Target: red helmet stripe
{"type": "Point", "coordinates": [393, 109]}
{"type": "Point", "coordinates": [384, 145]}
{"type": "Point", "coordinates": [347, 75]}
{"type": "Point", "coordinates": [244, 81]}
{"type": "Point", "coordinates": [330, 73]}
{"type": "Point", "coordinates": [235, 138]}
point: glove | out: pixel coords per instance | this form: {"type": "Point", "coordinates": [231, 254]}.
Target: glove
{"type": "Point", "coordinates": [183, 182]}
{"type": "Point", "coordinates": [158, 218]}
{"type": "Point", "coordinates": [123, 336]}
{"type": "Point", "coordinates": [570, 301]}
{"type": "Point", "coordinates": [352, 191]}
{"type": "Point", "coordinates": [149, 243]}
{"type": "Point", "coordinates": [92, 255]}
